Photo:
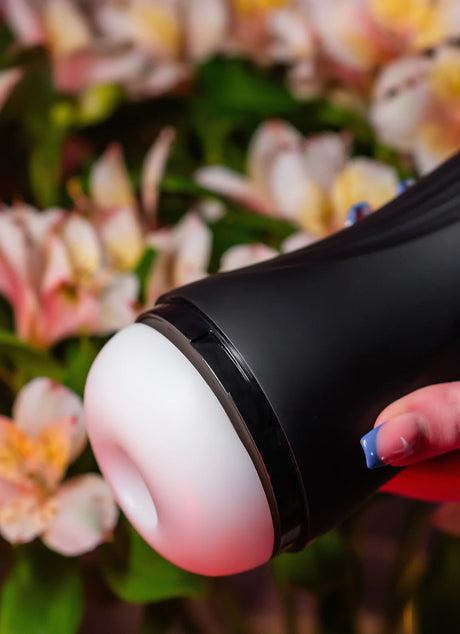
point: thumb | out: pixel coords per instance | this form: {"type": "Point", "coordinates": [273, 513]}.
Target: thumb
{"type": "Point", "coordinates": [421, 425]}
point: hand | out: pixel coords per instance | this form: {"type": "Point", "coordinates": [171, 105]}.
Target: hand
{"type": "Point", "coordinates": [421, 431]}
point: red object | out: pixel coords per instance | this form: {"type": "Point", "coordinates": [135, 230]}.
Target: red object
{"type": "Point", "coordinates": [435, 480]}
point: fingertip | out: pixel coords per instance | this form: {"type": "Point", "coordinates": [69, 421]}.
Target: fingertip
{"type": "Point", "coordinates": [369, 445]}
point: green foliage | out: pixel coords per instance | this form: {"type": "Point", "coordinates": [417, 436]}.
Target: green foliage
{"type": "Point", "coordinates": [30, 360]}
{"type": "Point", "coordinates": [143, 269]}
{"type": "Point", "coordinates": [236, 88]}
{"type": "Point", "coordinates": [43, 594]}
{"type": "Point", "coordinates": [317, 568]}
{"type": "Point", "coordinates": [137, 574]}
{"type": "Point", "coordinates": [79, 356]}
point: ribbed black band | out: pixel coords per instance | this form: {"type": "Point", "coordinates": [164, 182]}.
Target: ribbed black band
{"type": "Point", "coordinates": [232, 381]}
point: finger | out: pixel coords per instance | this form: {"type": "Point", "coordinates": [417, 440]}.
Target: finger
{"type": "Point", "coordinates": [418, 426]}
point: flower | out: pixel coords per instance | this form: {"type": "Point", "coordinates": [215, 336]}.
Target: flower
{"type": "Point", "coordinates": [112, 206]}
{"type": "Point", "coordinates": [45, 434]}
{"type": "Point", "coordinates": [53, 273]}
{"type": "Point", "coordinates": [241, 255]}
{"type": "Point", "coordinates": [182, 257]}
{"type": "Point", "coordinates": [148, 46]}
{"type": "Point", "coordinates": [416, 106]}
{"type": "Point", "coordinates": [308, 181]}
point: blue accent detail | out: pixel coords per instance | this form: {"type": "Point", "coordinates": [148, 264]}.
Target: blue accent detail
{"type": "Point", "coordinates": [368, 443]}
{"type": "Point", "coordinates": [357, 212]}
{"type": "Point", "coordinates": [404, 184]}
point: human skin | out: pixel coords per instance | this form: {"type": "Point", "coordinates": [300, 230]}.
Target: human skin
{"type": "Point", "coordinates": [420, 431]}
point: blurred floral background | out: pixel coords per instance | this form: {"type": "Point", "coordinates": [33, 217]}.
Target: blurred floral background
{"type": "Point", "coordinates": [145, 144]}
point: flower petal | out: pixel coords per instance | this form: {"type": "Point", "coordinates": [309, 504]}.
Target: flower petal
{"type": "Point", "coordinates": [183, 256]}
{"type": "Point", "coordinates": [401, 100]}
{"type": "Point", "coordinates": [74, 73]}
{"type": "Point", "coordinates": [8, 80]}
{"type": "Point", "coordinates": [25, 517]}
{"type": "Point", "coordinates": [109, 181]}
{"type": "Point", "coordinates": [325, 155]}
{"type": "Point", "coordinates": [206, 22]}
{"type": "Point", "coordinates": [224, 181]}
{"type": "Point", "coordinates": [436, 142]}
{"type": "Point", "coordinates": [296, 241]}
{"type": "Point", "coordinates": [9, 491]}
{"type": "Point", "coordinates": [22, 17]}
{"type": "Point", "coordinates": [121, 237]}
{"type": "Point", "coordinates": [86, 516]}
{"type": "Point", "coordinates": [295, 196]}
{"type": "Point", "coordinates": [42, 402]}
{"type": "Point", "coordinates": [13, 255]}
{"type": "Point", "coordinates": [292, 35]}
{"type": "Point", "coordinates": [58, 270]}
{"type": "Point", "coordinates": [52, 452]}
{"type": "Point", "coordinates": [82, 245]}
{"type": "Point", "coordinates": [363, 180]}
{"type": "Point", "coordinates": [16, 450]}
{"type": "Point", "coordinates": [117, 303]}
{"type": "Point", "coordinates": [193, 240]}
{"type": "Point", "coordinates": [65, 312]}
{"type": "Point", "coordinates": [154, 25]}
{"type": "Point", "coordinates": [269, 140]}
{"type": "Point", "coordinates": [66, 27]}
{"type": "Point", "coordinates": [153, 169]}
{"type": "Point", "coordinates": [242, 255]}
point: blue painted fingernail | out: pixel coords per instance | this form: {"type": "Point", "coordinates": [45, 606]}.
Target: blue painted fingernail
{"type": "Point", "coordinates": [404, 184]}
{"type": "Point", "coordinates": [368, 443]}
{"type": "Point", "coordinates": [357, 212]}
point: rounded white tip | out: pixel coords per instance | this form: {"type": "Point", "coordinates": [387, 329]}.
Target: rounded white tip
{"type": "Point", "coordinates": [173, 458]}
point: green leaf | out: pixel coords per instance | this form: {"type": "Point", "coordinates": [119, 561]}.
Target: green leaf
{"type": "Point", "coordinates": [143, 269]}
{"type": "Point", "coordinates": [180, 185]}
{"type": "Point", "coordinates": [45, 167]}
{"type": "Point", "coordinates": [30, 360]}
{"type": "Point", "coordinates": [79, 357]}
{"type": "Point", "coordinates": [318, 567]}
{"type": "Point", "coordinates": [143, 576]}
{"type": "Point", "coordinates": [236, 87]}
{"type": "Point", "coordinates": [43, 594]}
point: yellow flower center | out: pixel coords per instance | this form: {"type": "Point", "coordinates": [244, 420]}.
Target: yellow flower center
{"type": "Point", "coordinates": [15, 450]}
{"type": "Point", "coordinates": [251, 7]}
{"type": "Point", "coordinates": [355, 184]}
{"type": "Point", "coordinates": [316, 210]}
{"type": "Point", "coordinates": [154, 26]}
{"type": "Point", "coordinates": [397, 13]}
{"type": "Point", "coordinates": [422, 18]}
{"type": "Point", "coordinates": [445, 76]}
{"type": "Point", "coordinates": [34, 463]}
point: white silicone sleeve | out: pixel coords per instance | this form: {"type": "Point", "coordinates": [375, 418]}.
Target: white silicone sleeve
{"type": "Point", "coordinates": [172, 457]}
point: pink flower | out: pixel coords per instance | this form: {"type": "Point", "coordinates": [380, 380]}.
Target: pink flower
{"type": "Point", "coordinates": [53, 274]}
{"type": "Point", "coordinates": [182, 256]}
{"type": "Point", "coordinates": [114, 211]}
{"type": "Point", "coordinates": [46, 433]}
{"type": "Point", "coordinates": [307, 181]}
{"type": "Point", "coordinates": [241, 255]}
{"type": "Point", "coordinates": [416, 106]}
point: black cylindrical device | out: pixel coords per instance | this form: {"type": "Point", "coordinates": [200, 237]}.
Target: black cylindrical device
{"type": "Point", "coordinates": [298, 355]}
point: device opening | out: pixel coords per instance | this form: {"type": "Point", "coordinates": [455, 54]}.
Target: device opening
{"type": "Point", "coordinates": [130, 489]}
